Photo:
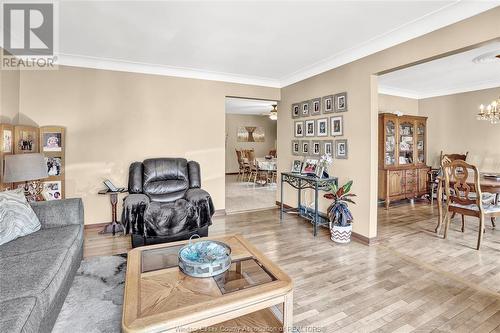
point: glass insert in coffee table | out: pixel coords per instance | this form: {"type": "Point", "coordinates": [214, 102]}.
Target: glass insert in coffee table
{"type": "Point", "coordinates": [244, 273]}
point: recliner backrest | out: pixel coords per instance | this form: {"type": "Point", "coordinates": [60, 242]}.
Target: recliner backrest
{"type": "Point", "coordinates": [164, 179]}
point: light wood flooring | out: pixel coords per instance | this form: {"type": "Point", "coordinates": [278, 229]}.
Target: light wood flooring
{"type": "Point", "coordinates": [411, 280]}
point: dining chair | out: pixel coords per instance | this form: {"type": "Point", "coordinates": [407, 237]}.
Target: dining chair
{"type": "Point", "coordinates": [243, 166]}
{"type": "Point", "coordinates": [464, 196]}
{"type": "Point", "coordinates": [272, 153]}
{"type": "Point", "coordinates": [254, 168]}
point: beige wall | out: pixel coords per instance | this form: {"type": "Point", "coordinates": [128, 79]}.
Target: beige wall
{"type": "Point", "coordinates": [233, 122]}
{"type": "Point", "coordinates": [9, 96]}
{"type": "Point", "coordinates": [360, 126]}
{"type": "Point", "coordinates": [115, 118]}
{"type": "Point", "coordinates": [453, 128]}
{"type": "Point", "coordinates": [391, 104]}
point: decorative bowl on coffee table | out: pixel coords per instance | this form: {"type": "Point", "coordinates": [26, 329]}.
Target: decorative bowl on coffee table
{"type": "Point", "coordinates": [203, 259]}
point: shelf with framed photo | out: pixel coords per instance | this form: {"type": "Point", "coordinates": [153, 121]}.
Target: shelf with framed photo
{"type": "Point", "coordinates": [26, 139]}
{"type": "Point", "coordinates": [7, 148]}
{"type": "Point", "coordinates": [52, 146]}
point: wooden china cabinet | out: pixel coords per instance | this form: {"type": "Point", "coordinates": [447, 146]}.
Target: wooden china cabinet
{"type": "Point", "coordinates": [402, 157]}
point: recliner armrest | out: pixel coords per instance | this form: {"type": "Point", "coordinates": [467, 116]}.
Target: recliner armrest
{"type": "Point", "coordinates": [197, 195]}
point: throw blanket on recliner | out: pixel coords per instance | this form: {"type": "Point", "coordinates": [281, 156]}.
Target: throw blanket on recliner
{"type": "Point", "coordinates": [166, 199]}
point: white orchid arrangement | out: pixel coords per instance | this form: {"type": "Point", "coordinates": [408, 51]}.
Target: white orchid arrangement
{"type": "Point", "coordinates": [325, 161]}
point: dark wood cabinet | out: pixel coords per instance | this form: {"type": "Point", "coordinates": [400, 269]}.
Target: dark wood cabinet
{"type": "Point", "coordinates": [402, 157]}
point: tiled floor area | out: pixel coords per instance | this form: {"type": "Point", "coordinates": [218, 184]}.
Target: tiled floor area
{"type": "Point", "coordinates": [245, 196]}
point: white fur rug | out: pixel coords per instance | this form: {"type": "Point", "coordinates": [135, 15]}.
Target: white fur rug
{"type": "Point", "coordinates": [94, 302]}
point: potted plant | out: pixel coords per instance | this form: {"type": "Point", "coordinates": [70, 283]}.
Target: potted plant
{"type": "Point", "coordinates": [339, 214]}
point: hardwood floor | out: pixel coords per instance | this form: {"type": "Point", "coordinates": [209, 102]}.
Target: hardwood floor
{"type": "Point", "coordinates": [411, 280]}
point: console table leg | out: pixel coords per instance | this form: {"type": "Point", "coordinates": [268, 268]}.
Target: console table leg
{"type": "Point", "coordinates": [316, 216]}
{"type": "Point", "coordinates": [281, 200]}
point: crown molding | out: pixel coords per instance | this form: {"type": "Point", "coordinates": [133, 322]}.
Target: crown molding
{"type": "Point", "coordinates": [447, 15]}
{"type": "Point", "coordinates": [144, 68]}
{"type": "Point", "coordinates": [480, 85]}
{"type": "Point", "coordinates": [393, 91]}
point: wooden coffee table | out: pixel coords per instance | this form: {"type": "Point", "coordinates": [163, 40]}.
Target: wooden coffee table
{"type": "Point", "coordinates": [254, 295]}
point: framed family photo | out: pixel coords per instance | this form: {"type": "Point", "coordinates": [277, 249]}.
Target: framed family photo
{"type": "Point", "coordinates": [295, 110]}
{"type": "Point", "coordinates": [337, 125]}
{"type": "Point", "coordinates": [310, 166]}
{"type": "Point", "coordinates": [327, 147]}
{"type": "Point", "coordinates": [299, 128]}
{"type": "Point", "coordinates": [7, 139]}
{"type": "Point", "coordinates": [305, 109]}
{"type": "Point", "coordinates": [316, 106]}
{"type": "Point", "coordinates": [316, 148]}
{"type": "Point", "coordinates": [327, 102]}
{"type": "Point", "coordinates": [322, 127]}
{"type": "Point", "coordinates": [341, 149]}
{"type": "Point", "coordinates": [310, 128]}
{"type": "Point", "coordinates": [52, 190]}
{"type": "Point", "coordinates": [295, 147]}
{"type": "Point", "coordinates": [341, 102]}
{"type": "Point", "coordinates": [296, 166]}
{"type": "Point", "coordinates": [305, 147]}
{"type": "Point", "coordinates": [25, 139]}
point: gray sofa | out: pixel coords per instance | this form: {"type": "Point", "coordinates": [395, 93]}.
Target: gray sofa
{"type": "Point", "coordinates": [36, 271]}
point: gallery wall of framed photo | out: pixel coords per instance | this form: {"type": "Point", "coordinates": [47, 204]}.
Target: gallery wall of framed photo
{"type": "Point", "coordinates": [48, 140]}
{"type": "Point", "coordinates": [319, 126]}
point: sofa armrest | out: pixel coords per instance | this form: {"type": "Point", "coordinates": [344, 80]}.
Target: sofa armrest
{"type": "Point", "coordinates": [57, 213]}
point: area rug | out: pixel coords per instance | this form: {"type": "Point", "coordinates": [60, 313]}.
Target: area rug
{"type": "Point", "coordinates": [94, 302]}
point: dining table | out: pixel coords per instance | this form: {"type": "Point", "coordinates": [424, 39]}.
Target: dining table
{"type": "Point", "coordinates": [487, 184]}
{"type": "Point", "coordinates": [268, 166]}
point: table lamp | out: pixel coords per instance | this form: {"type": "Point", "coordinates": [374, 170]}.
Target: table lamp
{"type": "Point", "coordinates": [26, 168]}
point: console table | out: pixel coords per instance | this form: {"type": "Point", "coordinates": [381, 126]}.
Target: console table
{"type": "Point", "coordinates": [301, 182]}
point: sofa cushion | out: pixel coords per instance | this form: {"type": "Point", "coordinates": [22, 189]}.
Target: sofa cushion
{"type": "Point", "coordinates": [17, 218]}
{"type": "Point", "coordinates": [39, 274]}
{"type": "Point", "coordinates": [42, 240]}
{"type": "Point", "coordinates": [20, 315]}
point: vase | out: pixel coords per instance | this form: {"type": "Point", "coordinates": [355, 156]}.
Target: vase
{"type": "Point", "coordinates": [341, 234]}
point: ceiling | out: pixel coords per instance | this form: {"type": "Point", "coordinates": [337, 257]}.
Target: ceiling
{"type": "Point", "coordinates": [450, 75]}
{"type": "Point", "coordinates": [270, 43]}
{"type": "Point", "coordinates": [248, 106]}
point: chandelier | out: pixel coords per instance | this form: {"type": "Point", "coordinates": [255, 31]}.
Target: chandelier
{"type": "Point", "coordinates": [491, 112]}
{"type": "Point", "coordinates": [273, 115]}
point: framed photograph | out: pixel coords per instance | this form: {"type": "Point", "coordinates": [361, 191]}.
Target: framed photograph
{"type": "Point", "coordinates": [322, 127]}
{"type": "Point", "coordinates": [310, 165]}
{"type": "Point", "coordinates": [295, 110]}
{"type": "Point", "coordinates": [25, 139]}
{"type": "Point", "coordinates": [7, 139]}
{"type": "Point", "coordinates": [310, 128]}
{"type": "Point", "coordinates": [51, 141]}
{"type": "Point", "coordinates": [337, 125]}
{"type": "Point", "coordinates": [52, 190]}
{"type": "Point", "coordinates": [316, 148]}
{"type": "Point", "coordinates": [305, 109]}
{"type": "Point", "coordinates": [341, 149]}
{"type": "Point", "coordinates": [316, 106]}
{"type": "Point", "coordinates": [54, 166]}
{"type": "Point", "coordinates": [341, 102]}
{"type": "Point", "coordinates": [304, 147]}
{"type": "Point", "coordinates": [295, 147]}
{"type": "Point", "coordinates": [299, 128]}
{"type": "Point", "coordinates": [327, 103]}
{"type": "Point", "coordinates": [327, 147]}
{"type": "Point", "coordinates": [296, 166]}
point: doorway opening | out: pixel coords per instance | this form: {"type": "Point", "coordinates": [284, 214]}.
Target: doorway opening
{"type": "Point", "coordinates": [251, 134]}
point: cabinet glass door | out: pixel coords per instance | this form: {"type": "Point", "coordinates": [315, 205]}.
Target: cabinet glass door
{"type": "Point", "coordinates": [406, 141]}
{"type": "Point", "coordinates": [421, 143]}
{"type": "Point", "coordinates": [390, 143]}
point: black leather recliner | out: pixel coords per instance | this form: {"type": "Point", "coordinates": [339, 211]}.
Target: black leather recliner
{"type": "Point", "coordinates": [166, 202]}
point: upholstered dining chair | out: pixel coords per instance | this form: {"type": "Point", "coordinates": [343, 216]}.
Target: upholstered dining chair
{"type": "Point", "coordinates": [243, 167]}
{"type": "Point", "coordinates": [464, 196]}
